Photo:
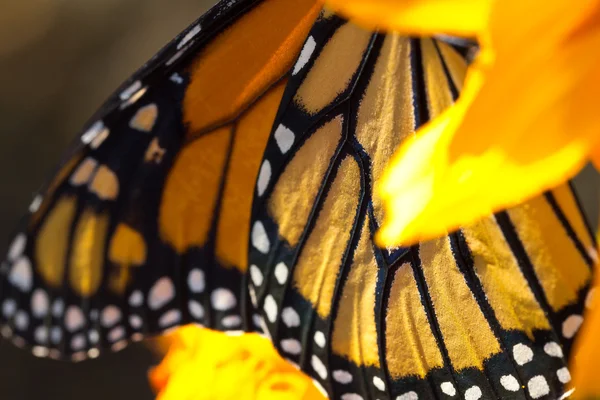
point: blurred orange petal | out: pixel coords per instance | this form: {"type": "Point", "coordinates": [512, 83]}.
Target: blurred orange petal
{"type": "Point", "coordinates": [202, 364]}
{"type": "Point", "coordinates": [586, 360]}
{"type": "Point", "coordinates": [417, 17]}
{"type": "Point", "coordinates": [595, 157]}
{"type": "Point", "coordinates": [525, 122]}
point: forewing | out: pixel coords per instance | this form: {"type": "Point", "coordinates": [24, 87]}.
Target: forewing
{"type": "Point", "coordinates": [145, 225]}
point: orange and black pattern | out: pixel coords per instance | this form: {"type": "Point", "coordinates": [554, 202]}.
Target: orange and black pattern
{"type": "Point", "coordinates": [144, 227]}
{"type": "Point", "coordinates": [231, 183]}
{"type": "Point", "coordinates": [487, 312]}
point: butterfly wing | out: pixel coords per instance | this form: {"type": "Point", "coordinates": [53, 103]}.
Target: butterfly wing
{"type": "Point", "coordinates": [145, 225]}
{"type": "Point", "coordinates": [487, 312]}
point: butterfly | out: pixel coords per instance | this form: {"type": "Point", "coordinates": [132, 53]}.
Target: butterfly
{"type": "Point", "coordinates": [231, 183]}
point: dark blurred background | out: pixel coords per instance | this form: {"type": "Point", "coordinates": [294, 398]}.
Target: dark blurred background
{"type": "Point", "coordinates": [59, 60]}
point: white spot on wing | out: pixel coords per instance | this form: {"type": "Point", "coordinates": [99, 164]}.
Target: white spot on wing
{"type": "Point", "coordinates": [231, 321]}
{"type": "Point", "coordinates": [40, 351]}
{"type": "Point", "coordinates": [553, 349]}
{"type": "Point", "coordinates": [259, 238]}
{"type": "Point", "coordinates": [55, 335]}
{"type": "Point", "coordinates": [448, 388]}
{"type": "Point", "coordinates": [41, 334]}
{"type": "Point", "coordinates": [379, 383]}
{"type": "Point", "coordinates": [39, 303]}
{"type": "Point", "coordinates": [74, 319]}
{"type": "Point", "coordinates": [409, 396]}
{"type": "Point", "coordinates": [538, 387]}
{"type": "Point", "coordinates": [196, 309]}
{"type": "Point", "coordinates": [318, 366]}
{"type": "Point", "coordinates": [510, 383]}
{"type": "Point", "coordinates": [110, 316]}
{"type": "Point", "coordinates": [130, 91]}
{"type": "Point", "coordinates": [92, 133]}
{"type": "Point", "coordinates": [21, 320]}
{"type": "Point", "coordinates": [116, 334]}
{"type": "Point", "coordinates": [118, 346]}
{"type": "Point", "coordinates": [589, 299]}
{"type": "Point", "coordinates": [291, 346]}
{"type": "Point", "coordinates": [290, 317]}
{"type": "Point", "coordinates": [196, 281]}
{"type": "Point", "coordinates": [571, 325]}
{"type": "Point", "coordinates": [17, 247]}
{"type": "Point", "coordinates": [305, 54]}
{"type": "Point", "coordinates": [21, 275]}
{"type": "Point", "coordinates": [189, 36]}
{"type": "Point", "coordinates": [58, 308]}
{"type": "Point", "coordinates": [256, 275]}
{"type": "Point", "coordinates": [169, 318]}
{"type": "Point", "coordinates": [270, 308]}
{"type": "Point", "coordinates": [563, 374]}
{"type": "Point", "coordinates": [473, 393]}
{"type": "Point", "coordinates": [135, 321]}
{"type": "Point", "coordinates": [264, 176]}
{"type": "Point", "coordinates": [78, 342]}
{"type": "Point", "coordinates": [176, 78]}
{"type": "Point", "coordinates": [341, 376]}
{"type": "Point", "coordinates": [93, 336]}
{"type": "Point", "coordinates": [36, 203]}
{"type": "Point", "coordinates": [98, 140]}
{"type": "Point", "coordinates": [281, 273]}
{"type": "Point", "coordinates": [136, 299]}
{"type": "Point", "coordinates": [252, 294]}
{"type": "Point", "coordinates": [134, 97]}
{"type": "Point", "coordinates": [9, 308]}
{"type": "Point", "coordinates": [522, 354]}
{"type": "Point", "coordinates": [137, 337]}
{"type": "Point", "coordinates": [176, 56]}
{"type": "Point", "coordinates": [161, 293]}
{"type": "Point", "coordinates": [284, 138]}
{"type": "Point", "coordinates": [223, 299]}
{"type": "Point", "coordinates": [320, 339]}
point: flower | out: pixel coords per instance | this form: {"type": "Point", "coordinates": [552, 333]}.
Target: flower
{"type": "Point", "coordinates": [587, 352]}
{"type": "Point", "coordinates": [525, 122]}
{"type": "Point", "coordinates": [201, 364]}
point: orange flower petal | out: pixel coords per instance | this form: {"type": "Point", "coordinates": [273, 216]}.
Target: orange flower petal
{"type": "Point", "coordinates": [206, 365]}
{"type": "Point", "coordinates": [595, 157]}
{"type": "Point", "coordinates": [418, 17]}
{"type": "Point", "coordinates": [586, 361]}
{"type": "Point", "coordinates": [525, 122]}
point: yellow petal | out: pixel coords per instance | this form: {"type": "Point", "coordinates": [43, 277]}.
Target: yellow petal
{"type": "Point", "coordinates": [206, 365]}
{"type": "Point", "coordinates": [420, 17]}
{"type": "Point", "coordinates": [526, 121]}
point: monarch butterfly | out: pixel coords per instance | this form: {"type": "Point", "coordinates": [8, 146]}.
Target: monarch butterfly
{"type": "Point", "coordinates": [229, 183]}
